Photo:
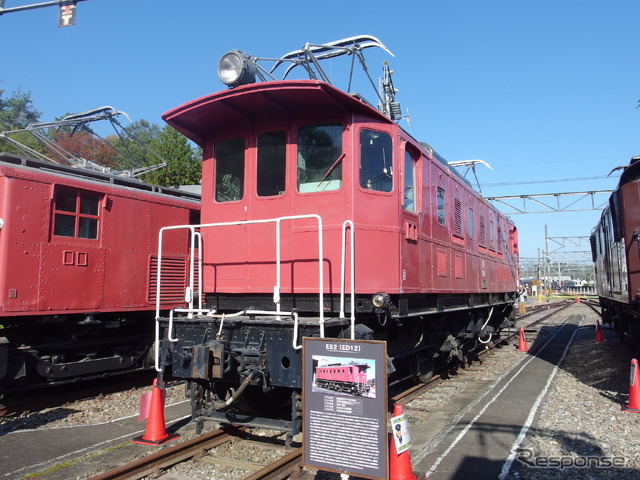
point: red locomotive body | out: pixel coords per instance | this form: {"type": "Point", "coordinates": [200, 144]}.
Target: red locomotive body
{"type": "Point", "coordinates": [615, 246]}
{"type": "Point", "coordinates": [78, 256]}
{"type": "Point", "coordinates": [420, 229]}
{"type": "Point", "coordinates": [350, 378]}
{"type": "Point", "coordinates": [322, 217]}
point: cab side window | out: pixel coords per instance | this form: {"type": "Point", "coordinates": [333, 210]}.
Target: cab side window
{"type": "Point", "coordinates": [271, 163]}
{"type": "Point", "coordinates": [319, 158]}
{"type": "Point", "coordinates": [229, 175]}
{"type": "Point", "coordinates": [376, 161]}
{"type": "Point", "coordinates": [409, 203]}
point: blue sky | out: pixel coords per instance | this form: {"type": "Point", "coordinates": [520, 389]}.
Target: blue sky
{"type": "Point", "coordinates": [541, 90]}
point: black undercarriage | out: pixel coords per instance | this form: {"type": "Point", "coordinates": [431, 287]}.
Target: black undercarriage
{"type": "Point", "coordinates": [246, 367]}
{"type": "Point", "coordinates": [42, 351]}
{"type": "Point", "coordinates": [625, 318]}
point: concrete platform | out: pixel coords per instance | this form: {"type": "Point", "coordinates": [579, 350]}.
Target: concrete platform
{"type": "Point", "coordinates": [479, 443]}
{"type": "Point", "coordinates": [69, 452]}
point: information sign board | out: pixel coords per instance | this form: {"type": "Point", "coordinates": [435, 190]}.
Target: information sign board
{"type": "Point", "coordinates": [345, 406]}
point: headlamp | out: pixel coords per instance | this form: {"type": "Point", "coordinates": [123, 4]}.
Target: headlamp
{"type": "Point", "coordinates": [235, 68]}
{"type": "Point", "coordinates": [380, 300]}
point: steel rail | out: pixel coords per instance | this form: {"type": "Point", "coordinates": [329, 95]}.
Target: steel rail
{"type": "Point", "coordinates": [280, 469]}
{"type": "Point", "coordinates": [167, 457]}
{"type": "Point", "coordinates": [415, 391]}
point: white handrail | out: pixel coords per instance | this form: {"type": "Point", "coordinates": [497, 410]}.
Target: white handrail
{"type": "Point", "coordinates": [197, 235]}
{"type": "Point", "coordinates": [349, 224]}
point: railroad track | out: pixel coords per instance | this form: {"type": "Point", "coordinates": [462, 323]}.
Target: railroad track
{"type": "Point", "coordinates": [594, 304]}
{"type": "Point", "coordinates": [199, 448]}
{"type": "Point", "coordinates": [415, 391]}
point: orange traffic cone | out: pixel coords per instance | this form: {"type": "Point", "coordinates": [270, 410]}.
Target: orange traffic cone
{"type": "Point", "coordinates": [599, 338]}
{"type": "Point", "coordinates": [399, 464]}
{"type": "Point", "coordinates": [578, 299]}
{"type": "Point", "coordinates": [522, 344]}
{"type": "Point", "coordinates": [155, 434]}
{"type": "Point", "coordinates": [634, 390]}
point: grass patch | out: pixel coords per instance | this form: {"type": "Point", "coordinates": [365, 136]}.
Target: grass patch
{"type": "Point", "coordinates": [69, 463]}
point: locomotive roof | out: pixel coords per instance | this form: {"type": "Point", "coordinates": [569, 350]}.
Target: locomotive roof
{"type": "Point", "coordinates": [197, 118]}
{"type": "Point", "coordinates": [95, 177]}
{"type": "Point", "coordinates": [631, 172]}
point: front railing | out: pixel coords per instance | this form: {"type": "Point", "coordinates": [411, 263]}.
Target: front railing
{"type": "Point", "coordinates": [193, 295]}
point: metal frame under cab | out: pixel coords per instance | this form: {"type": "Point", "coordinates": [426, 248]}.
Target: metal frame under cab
{"type": "Point", "coordinates": [193, 295]}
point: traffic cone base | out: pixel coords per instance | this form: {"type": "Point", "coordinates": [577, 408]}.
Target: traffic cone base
{"type": "Point", "coordinates": [155, 433]}
{"type": "Point", "coordinates": [522, 343]}
{"type": "Point", "coordinates": [630, 410]}
{"type": "Point", "coordinates": [141, 440]}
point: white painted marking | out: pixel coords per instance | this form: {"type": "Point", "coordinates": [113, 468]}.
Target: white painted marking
{"type": "Point", "coordinates": [526, 359]}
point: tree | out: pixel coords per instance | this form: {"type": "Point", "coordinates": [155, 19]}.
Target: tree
{"type": "Point", "coordinates": [16, 112]}
{"type": "Point", "coordinates": [82, 144]}
{"type": "Point", "coordinates": [134, 145]}
{"type": "Point", "coordinates": [183, 162]}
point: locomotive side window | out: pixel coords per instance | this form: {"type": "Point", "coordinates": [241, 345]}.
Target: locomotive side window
{"type": "Point", "coordinates": [491, 229]}
{"type": "Point", "coordinates": [75, 214]}
{"type": "Point", "coordinates": [409, 203]}
{"type": "Point", "coordinates": [440, 203]}
{"type": "Point", "coordinates": [319, 157]}
{"type": "Point", "coordinates": [376, 168]}
{"type": "Point", "coordinates": [594, 247]}
{"type": "Point", "coordinates": [616, 216]}
{"type": "Point", "coordinates": [271, 163]}
{"type": "Point", "coordinates": [229, 167]}
{"type": "Point", "coordinates": [470, 224]}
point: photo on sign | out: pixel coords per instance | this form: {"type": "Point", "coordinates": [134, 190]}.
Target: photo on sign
{"type": "Point", "coordinates": [351, 376]}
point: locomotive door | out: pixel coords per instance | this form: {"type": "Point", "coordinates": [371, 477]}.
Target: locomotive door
{"type": "Point", "coordinates": [410, 274]}
{"type": "Point", "coordinates": [71, 277]}
{"type": "Point", "coordinates": [440, 219]}
{"type": "Point", "coordinates": [72, 263]}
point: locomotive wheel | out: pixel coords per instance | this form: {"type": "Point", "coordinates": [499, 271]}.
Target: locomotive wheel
{"type": "Point", "coordinates": [425, 370]}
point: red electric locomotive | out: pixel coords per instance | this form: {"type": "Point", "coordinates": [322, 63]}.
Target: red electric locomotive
{"type": "Point", "coordinates": [78, 268]}
{"type": "Point", "coordinates": [323, 217]}
{"type": "Point", "coordinates": [615, 246]}
{"type": "Point", "coordinates": [350, 378]}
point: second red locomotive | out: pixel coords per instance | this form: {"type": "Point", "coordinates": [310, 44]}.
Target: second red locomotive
{"type": "Point", "coordinates": [78, 270]}
{"type": "Point", "coordinates": [323, 217]}
{"type": "Point", "coordinates": [615, 246]}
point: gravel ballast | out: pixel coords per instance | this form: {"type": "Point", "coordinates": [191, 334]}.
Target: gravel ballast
{"type": "Point", "coordinates": [580, 430]}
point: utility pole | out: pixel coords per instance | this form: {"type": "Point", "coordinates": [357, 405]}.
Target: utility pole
{"type": "Point", "coordinates": [548, 261]}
